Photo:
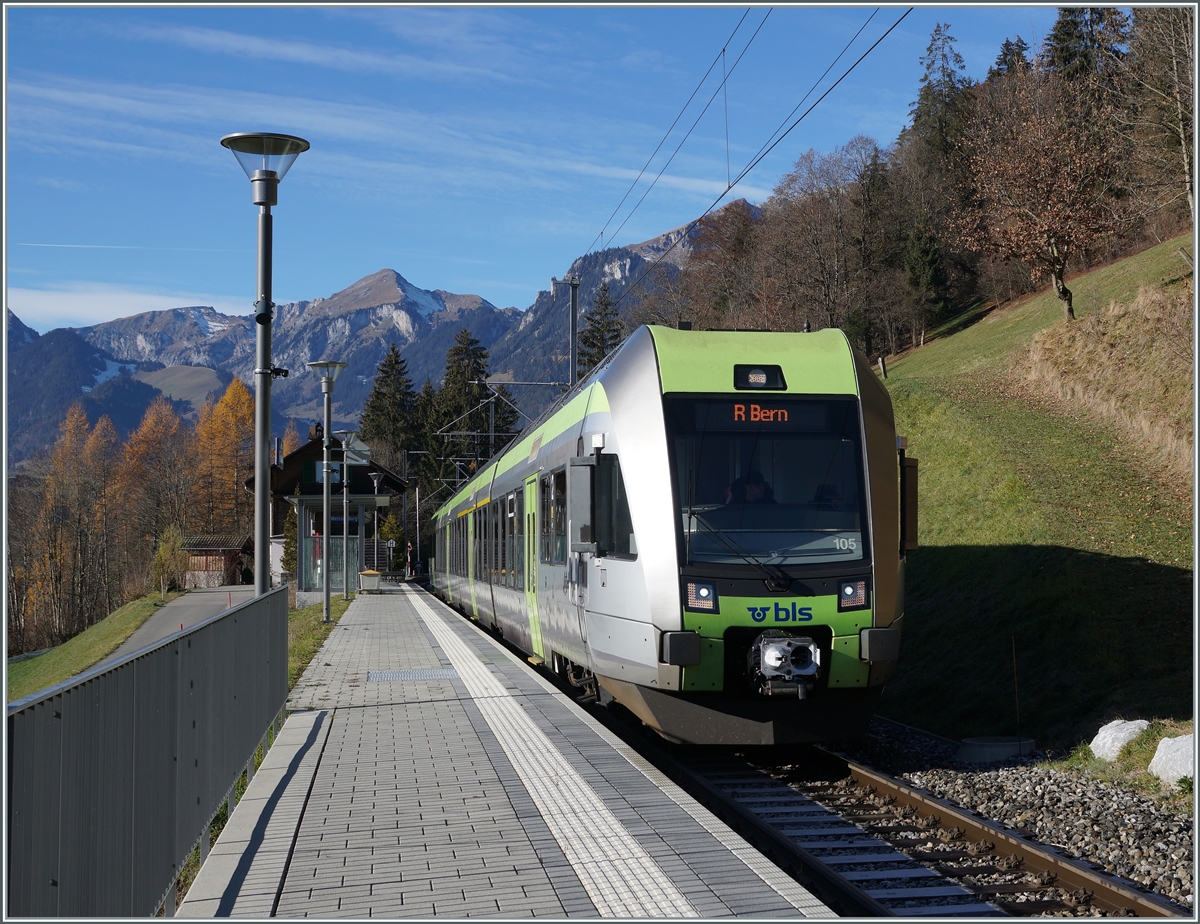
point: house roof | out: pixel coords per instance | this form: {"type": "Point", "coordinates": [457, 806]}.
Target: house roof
{"type": "Point", "coordinates": [217, 543]}
{"type": "Point", "coordinates": [287, 481]}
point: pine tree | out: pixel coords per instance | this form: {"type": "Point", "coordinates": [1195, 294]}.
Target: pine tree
{"type": "Point", "coordinates": [461, 405]}
{"type": "Point", "coordinates": [1012, 58]}
{"type": "Point", "coordinates": [601, 333]}
{"type": "Point", "coordinates": [937, 113]}
{"type": "Point", "coordinates": [387, 416]}
{"type": "Point", "coordinates": [1086, 42]}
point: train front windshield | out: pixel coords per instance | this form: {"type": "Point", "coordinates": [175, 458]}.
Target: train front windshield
{"type": "Point", "coordinates": [767, 480]}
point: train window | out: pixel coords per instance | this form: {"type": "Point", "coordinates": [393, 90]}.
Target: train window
{"type": "Point", "coordinates": [613, 525]}
{"type": "Point", "coordinates": [519, 541]}
{"type": "Point", "coordinates": [773, 480]}
{"type": "Point", "coordinates": [494, 533]}
{"type": "Point", "coordinates": [546, 505]}
{"type": "Point", "coordinates": [560, 516]}
{"type": "Point", "coordinates": [505, 529]}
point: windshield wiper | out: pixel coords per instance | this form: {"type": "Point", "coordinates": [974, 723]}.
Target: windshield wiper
{"type": "Point", "coordinates": [776, 577]}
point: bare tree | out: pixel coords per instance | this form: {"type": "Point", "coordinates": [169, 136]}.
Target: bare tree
{"type": "Point", "coordinates": [1158, 84]}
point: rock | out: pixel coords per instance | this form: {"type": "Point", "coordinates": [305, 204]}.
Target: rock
{"type": "Point", "coordinates": [1173, 760]}
{"type": "Point", "coordinates": [1115, 735]}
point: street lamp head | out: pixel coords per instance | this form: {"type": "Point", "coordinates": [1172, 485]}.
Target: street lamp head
{"type": "Point", "coordinates": [328, 370]}
{"type": "Point", "coordinates": [266, 157]}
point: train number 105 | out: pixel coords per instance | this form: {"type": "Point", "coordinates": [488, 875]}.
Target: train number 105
{"type": "Point", "coordinates": [844, 544]}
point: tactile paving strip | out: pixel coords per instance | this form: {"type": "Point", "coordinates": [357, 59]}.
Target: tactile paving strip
{"type": "Point", "coordinates": [621, 879]}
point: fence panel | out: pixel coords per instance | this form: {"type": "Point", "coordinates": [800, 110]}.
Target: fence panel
{"type": "Point", "coordinates": [114, 776]}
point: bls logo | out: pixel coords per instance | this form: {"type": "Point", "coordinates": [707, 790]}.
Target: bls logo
{"type": "Point", "coordinates": [782, 613]}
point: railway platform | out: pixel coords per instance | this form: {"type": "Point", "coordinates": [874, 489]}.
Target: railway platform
{"type": "Point", "coordinates": [426, 771]}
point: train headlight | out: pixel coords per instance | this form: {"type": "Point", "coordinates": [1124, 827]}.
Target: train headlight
{"type": "Point", "coordinates": [702, 597]}
{"type": "Point", "coordinates": [852, 595]}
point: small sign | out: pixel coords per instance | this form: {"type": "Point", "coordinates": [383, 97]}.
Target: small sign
{"type": "Point", "coordinates": [391, 544]}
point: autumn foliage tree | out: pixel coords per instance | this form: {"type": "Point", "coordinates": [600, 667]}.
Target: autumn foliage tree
{"type": "Point", "coordinates": [1044, 173]}
{"type": "Point", "coordinates": [225, 452]}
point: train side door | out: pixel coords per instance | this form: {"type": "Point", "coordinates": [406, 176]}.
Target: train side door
{"type": "Point", "coordinates": [531, 565]}
{"type": "Point", "coordinates": [582, 546]}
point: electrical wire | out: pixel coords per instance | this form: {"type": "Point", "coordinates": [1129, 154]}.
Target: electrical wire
{"type": "Point", "coordinates": [765, 150]}
{"type": "Point", "coordinates": [650, 159]}
{"type": "Point", "coordinates": [692, 129]}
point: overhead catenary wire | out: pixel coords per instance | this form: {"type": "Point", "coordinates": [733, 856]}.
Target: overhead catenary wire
{"type": "Point", "coordinates": [654, 153]}
{"type": "Point", "coordinates": [765, 150]}
{"type": "Point", "coordinates": [693, 128]}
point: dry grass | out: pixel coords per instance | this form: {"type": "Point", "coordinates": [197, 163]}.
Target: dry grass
{"type": "Point", "coordinates": [1130, 363]}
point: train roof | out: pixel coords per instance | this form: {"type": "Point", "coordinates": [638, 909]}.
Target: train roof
{"type": "Point", "coordinates": [820, 363]}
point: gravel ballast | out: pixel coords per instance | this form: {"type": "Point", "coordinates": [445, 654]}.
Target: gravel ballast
{"type": "Point", "coordinates": [1097, 822]}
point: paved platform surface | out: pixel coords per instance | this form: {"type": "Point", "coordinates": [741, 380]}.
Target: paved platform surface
{"type": "Point", "coordinates": [425, 771]}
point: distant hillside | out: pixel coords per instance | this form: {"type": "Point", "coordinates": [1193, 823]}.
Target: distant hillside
{"type": "Point", "coordinates": [190, 385]}
{"type": "Point", "coordinates": [47, 374]}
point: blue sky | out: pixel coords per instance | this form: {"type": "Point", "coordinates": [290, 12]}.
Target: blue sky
{"type": "Point", "coordinates": [472, 149]}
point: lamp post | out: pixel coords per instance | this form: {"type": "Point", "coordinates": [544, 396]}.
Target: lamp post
{"type": "Point", "coordinates": [328, 371]}
{"type": "Point", "coordinates": [346, 436]}
{"type": "Point", "coordinates": [265, 157]}
{"type": "Point", "coordinates": [573, 281]}
{"type": "Point", "coordinates": [376, 477]}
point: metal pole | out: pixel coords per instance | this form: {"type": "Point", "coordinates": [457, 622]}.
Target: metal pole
{"type": "Point", "coordinates": [262, 409]}
{"type": "Point", "coordinates": [327, 391]}
{"type": "Point", "coordinates": [345, 523]}
{"type": "Point", "coordinates": [492, 427]}
{"type": "Point", "coordinates": [574, 281]}
{"type": "Point", "coordinates": [418, 515]}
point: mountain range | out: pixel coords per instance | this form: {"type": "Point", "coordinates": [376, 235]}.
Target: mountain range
{"type": "Point", "coordinates": [191, 353]}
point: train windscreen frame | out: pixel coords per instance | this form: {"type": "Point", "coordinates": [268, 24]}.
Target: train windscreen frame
{"type": "Point", "coordinates": [768, 480]}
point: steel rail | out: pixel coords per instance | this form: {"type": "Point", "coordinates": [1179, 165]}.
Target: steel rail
{"type": "Point", "coordinates": [1107, 893]}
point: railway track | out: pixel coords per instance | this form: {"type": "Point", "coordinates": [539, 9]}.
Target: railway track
{"type": "Point", "coordinates": [872, 846]}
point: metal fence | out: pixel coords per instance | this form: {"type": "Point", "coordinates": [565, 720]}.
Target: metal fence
{"type": "Point", "coordinates": [113, 776]}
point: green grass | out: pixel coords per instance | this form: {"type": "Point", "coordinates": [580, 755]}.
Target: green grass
{"type": "Point", "coordinates": [89, 647]}
{"type": "Point", "coordinates": [1043, 528]}
{"type": "Point", "coordinates": [307, 633]}
{"type": "Point", "coordinates": [990, 343]}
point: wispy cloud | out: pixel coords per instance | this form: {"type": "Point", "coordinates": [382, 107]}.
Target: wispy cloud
{"type": "Point", "coordinates": [83, 304]}
{"type": "Point", "coordinates": [447, 151]}
{"type": "Point", "coordinates": [310, 54]}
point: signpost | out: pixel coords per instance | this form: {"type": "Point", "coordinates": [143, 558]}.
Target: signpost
{"type": "Point", "coordinates": [391, 544]}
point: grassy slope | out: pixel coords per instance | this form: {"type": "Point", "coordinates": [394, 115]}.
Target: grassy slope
{"type": "Point", "coordinates": [1043, 529]}
{"type": "Point", "coordinates": [89, 647]}
{"type": "Point", "coordinates": [184, 383]}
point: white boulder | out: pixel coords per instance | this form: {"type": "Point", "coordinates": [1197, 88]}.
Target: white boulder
{"type": "Point", "coordinates": [1115, 735]}
{"type": "Point", "coordinates": [1173, 760]}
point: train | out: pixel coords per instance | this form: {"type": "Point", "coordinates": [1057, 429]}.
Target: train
{"type": "Point", "coordinates": [709, 529]}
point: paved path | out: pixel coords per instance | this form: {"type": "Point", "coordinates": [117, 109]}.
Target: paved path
{"type": "Point", "coordinates": [193, 607]}
{"type": "Point", "coordinates": [426, 771]}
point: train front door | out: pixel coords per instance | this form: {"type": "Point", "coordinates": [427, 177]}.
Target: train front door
{"type": "Point", "coordinates": [531, 565]}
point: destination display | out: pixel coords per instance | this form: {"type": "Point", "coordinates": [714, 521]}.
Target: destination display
{"type": "Point", "coordinates": [780, 415]}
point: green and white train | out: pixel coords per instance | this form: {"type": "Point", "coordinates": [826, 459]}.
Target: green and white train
{"type": "Point", "coordinates": [711, 528]}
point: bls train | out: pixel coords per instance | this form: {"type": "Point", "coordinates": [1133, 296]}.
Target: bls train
{"type": "Point", "coordinates": [711, 527]}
